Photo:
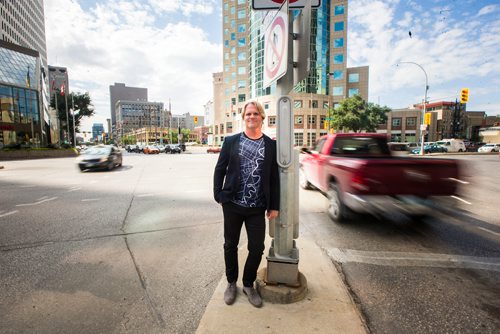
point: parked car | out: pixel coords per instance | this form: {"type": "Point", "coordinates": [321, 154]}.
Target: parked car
{"type": "Point", "coordinates": [489, 148]}
{"type": "Point", "coordinates": [100, 157]}
{"type": "Point", "coordinates": [213, 149]}
{"type": "Point", "coordinates": [433, 148]}
{"type": "Point", "coordinates": [173, 148]}
{"type": "Point", "coordinates": [472, 146]}
{"type": "Point", "coordinates": [150, 149]}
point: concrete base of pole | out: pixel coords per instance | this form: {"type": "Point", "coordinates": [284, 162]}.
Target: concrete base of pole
{"type": "Point", "coordinates": [280, 293]}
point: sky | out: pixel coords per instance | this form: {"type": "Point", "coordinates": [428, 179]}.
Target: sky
{"type": "Point", "coordinates": [172, 47]}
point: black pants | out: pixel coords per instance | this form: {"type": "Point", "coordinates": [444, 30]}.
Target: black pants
{"type": "Point", "coordinates": [255, 224]}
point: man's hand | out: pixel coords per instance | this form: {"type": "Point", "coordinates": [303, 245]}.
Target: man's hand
{"type": "Point", "coordinates": [271, 214]}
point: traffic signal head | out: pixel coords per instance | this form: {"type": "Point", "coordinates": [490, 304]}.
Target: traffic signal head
{"type": "Point", "coordinates": [427, 118]}
{"type": "Point", "coordinates": [464, 95]}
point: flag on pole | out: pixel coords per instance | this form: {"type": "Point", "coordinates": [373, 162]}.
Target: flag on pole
{"type": "Point", "coordinates": [62, 88]}
{"type": "Point", "coordinates": [28, 82]}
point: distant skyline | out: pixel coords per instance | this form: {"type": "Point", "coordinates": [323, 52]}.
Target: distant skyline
{"type": "Point", "coordinates": [173, 47]}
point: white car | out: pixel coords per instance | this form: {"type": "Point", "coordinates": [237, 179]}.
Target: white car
{"type": "Point", "coordinates": [489, 148]}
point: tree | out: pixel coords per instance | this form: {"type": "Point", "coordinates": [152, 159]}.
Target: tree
{"type": "Point", "coordinates": [82, 105]}
{"type": "Point", "coordinates": [356, 115]}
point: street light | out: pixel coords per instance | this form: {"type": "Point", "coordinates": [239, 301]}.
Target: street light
{"type": "Point", "coordinates": [425, 103]}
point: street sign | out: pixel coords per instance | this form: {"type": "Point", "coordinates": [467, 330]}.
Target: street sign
{"type": "Point", "coordinates": [285, 131]}
{"type": "Point", "coordinates": [276, 49]}
{"type": "Point", "coordinates": [276, 4]}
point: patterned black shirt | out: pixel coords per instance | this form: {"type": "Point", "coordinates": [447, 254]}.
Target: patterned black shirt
{"type": "Point", "coordinates": [251, 193]}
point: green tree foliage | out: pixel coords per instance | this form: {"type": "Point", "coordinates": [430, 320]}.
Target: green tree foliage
{"type": "Point", "coordinates": [356, 115]}
{"type": "Point", "coordinates": [82, 105]}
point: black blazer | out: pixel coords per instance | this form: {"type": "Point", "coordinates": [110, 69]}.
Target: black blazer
{"type": "Point", "coordinates": [227, 172]}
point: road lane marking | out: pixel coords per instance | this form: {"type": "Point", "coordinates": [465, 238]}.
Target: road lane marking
{"type": "Point", "coordinates": [489, 231]}
{"type": "Point", "coordinates": [42, 198]}
{"type": "Point", "coordinates": [74, 189]}
{"type": "Point", "coordinates": [27, 186]}
{"type": "Point", "coordinates": [460, 199]}
{"type": "Point", "coordinates": [8, 213]}
{"type": "Point", "coordinates": [38, 202]}
{"type": "Point", "coordinates": [90, 199]}
{"type": "Point", "coordinates": [145, 195]}
{"type": "Point", "coordinates": [409, 259]}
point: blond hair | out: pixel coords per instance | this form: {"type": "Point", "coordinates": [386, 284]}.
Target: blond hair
{"type": "Point", "coordinates": [257, 105]}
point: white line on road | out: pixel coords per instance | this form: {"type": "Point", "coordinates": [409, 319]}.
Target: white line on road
{"type": "Point", "coordinates": [90, 199]}
{"type": "Point", "coordinates": [27, 186]}
{"type": "Point", "coordinates": [145, 195]}
{"type": "Point", "coordinates": [74, 189]}
{"type": "Point", "coordinates": [408, 259]}
{"type": "Point", "coordinates": [461, 199]}
{"type": "Point", "coordinates": [489, 231]}
{"type": "Point", "coordinates": [42, 198]}
{"type": "Point", "coordinates": [39, 202]}
{"type": "Point", "coordinates": [9, 213]}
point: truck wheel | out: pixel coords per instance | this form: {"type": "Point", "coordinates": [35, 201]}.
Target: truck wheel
{"type": "Point", "coordinates": [336, 208]}
{"type": "Point", "coordinates": [304, 184]}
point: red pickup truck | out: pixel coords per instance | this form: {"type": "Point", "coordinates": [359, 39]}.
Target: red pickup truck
{"type": "Point", "coordinates": [357, 172]}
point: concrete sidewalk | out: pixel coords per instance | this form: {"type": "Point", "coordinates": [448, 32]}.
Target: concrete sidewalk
{"type": "Point", "coordinates": [327, 308]}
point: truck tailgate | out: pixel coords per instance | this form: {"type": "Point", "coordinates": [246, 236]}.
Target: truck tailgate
{"type": "Point", "coordinates": [407, 176]}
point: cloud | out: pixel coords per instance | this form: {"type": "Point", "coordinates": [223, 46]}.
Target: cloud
{"type": "Point", "coordinates": [119, 41]}
{"type": "Point", "coordinates": [452, 54]}
{"type": "Point", "coordinates": [487, 10]}
{"type": "Point", "coordinates": [186, 7]}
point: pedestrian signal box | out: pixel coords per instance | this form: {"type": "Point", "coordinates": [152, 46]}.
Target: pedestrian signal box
{"type": "Point", "coordinates": [427, 118]}
{"type": "Point", "coordinates": [464, 95]}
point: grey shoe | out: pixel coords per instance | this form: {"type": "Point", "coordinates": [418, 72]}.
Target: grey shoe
{"type": "Point", "coordinates": [253, 296]}
{"type": "Point", "coordinates": [230, 293]}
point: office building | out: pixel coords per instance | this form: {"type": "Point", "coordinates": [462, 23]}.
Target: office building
{"type": "Point", "coordinates": [97, 131]}
{"type": "Point", "coordinates": [328, 83]}
{"type": "Point", "coordinates": [22, 22]}
{"type": "Point", "coordinates": [133, 115]}
{"type": "Point", "coordinates": [119, 91]}
{"type": "Point", "coordinates": [22, 33]}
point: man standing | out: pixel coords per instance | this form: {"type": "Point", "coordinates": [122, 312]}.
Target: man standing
{"type": "Point", "coordinates": [246, 184]}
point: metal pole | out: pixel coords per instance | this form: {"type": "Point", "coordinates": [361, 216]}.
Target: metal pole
{"type": "Point", "coordinates": [66, 106]}
{"type": "Point", "coordinates": [73, 112]}
{"type": "Point", "coordinates": [424, 107]}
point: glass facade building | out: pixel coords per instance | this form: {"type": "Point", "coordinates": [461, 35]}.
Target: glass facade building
{"type": "Point", "coordinates": [20, 117]}
{"type": "Point", "coordinates": [328, 82]}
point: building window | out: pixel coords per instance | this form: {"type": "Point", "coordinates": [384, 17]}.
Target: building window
{"type": "Point", "coordinates": [298, 120]}
{"type": "Point", "coordinates": [311, 119]}
{"type": "Point", "coordinates": [297, 103]}
{"type": "Point", "coordinates": [338, 58]}
{"type": "Point", "coordinates": [233, 49]}
{"type": "Point", "coordinates": [411, 121]}
{"type": "Point", "coordinates": [241, 97]}
{"type": "Point", "coordinates": [396, 122]}
{"type": "Point", "coordinates": [353, 77]}
{"type": "Point", "coordinates": [338, 26]}
{"type": "Point", "coordinates": [353, 91]}
{"type": "Point", "coordinates": [226, 43]}
{"type": "Point", "coordinates": [325, 104]}
{"type": "Point", "coordinates": [242, 14]}
{"type": "Point", "coordinates": [339, 10]}
{"type": "Point", "coordinates": [242, 55]}
{"type": "Point", "coordinates": [233, 36]}
{"type": "Point", "coordinates": [242, 70]}
{"type": "Point", "coordinates": [272, 120]}
{"type": "Point", "coordinates": [241, 42]}
{"type": "Point", "coordinates": [338, 43]}
{"type": "Point", "coordinates": [242, 83]}
{"type": "Point", "coordinates": [338, 75]}
{"type": "Point", "coordinates": [242, 28]}
{"type": "Point", "coordinates": [314, 103]}
{"type": "Point", "coordinates": [299, 138]}
{"type": "Point", "coordinates": [266, 106]}
{"type": "Point", "coordinates": [338, 91]}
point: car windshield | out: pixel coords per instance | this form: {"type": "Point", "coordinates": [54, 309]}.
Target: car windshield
{"type": "Point", "coordinates": [98, 151]}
